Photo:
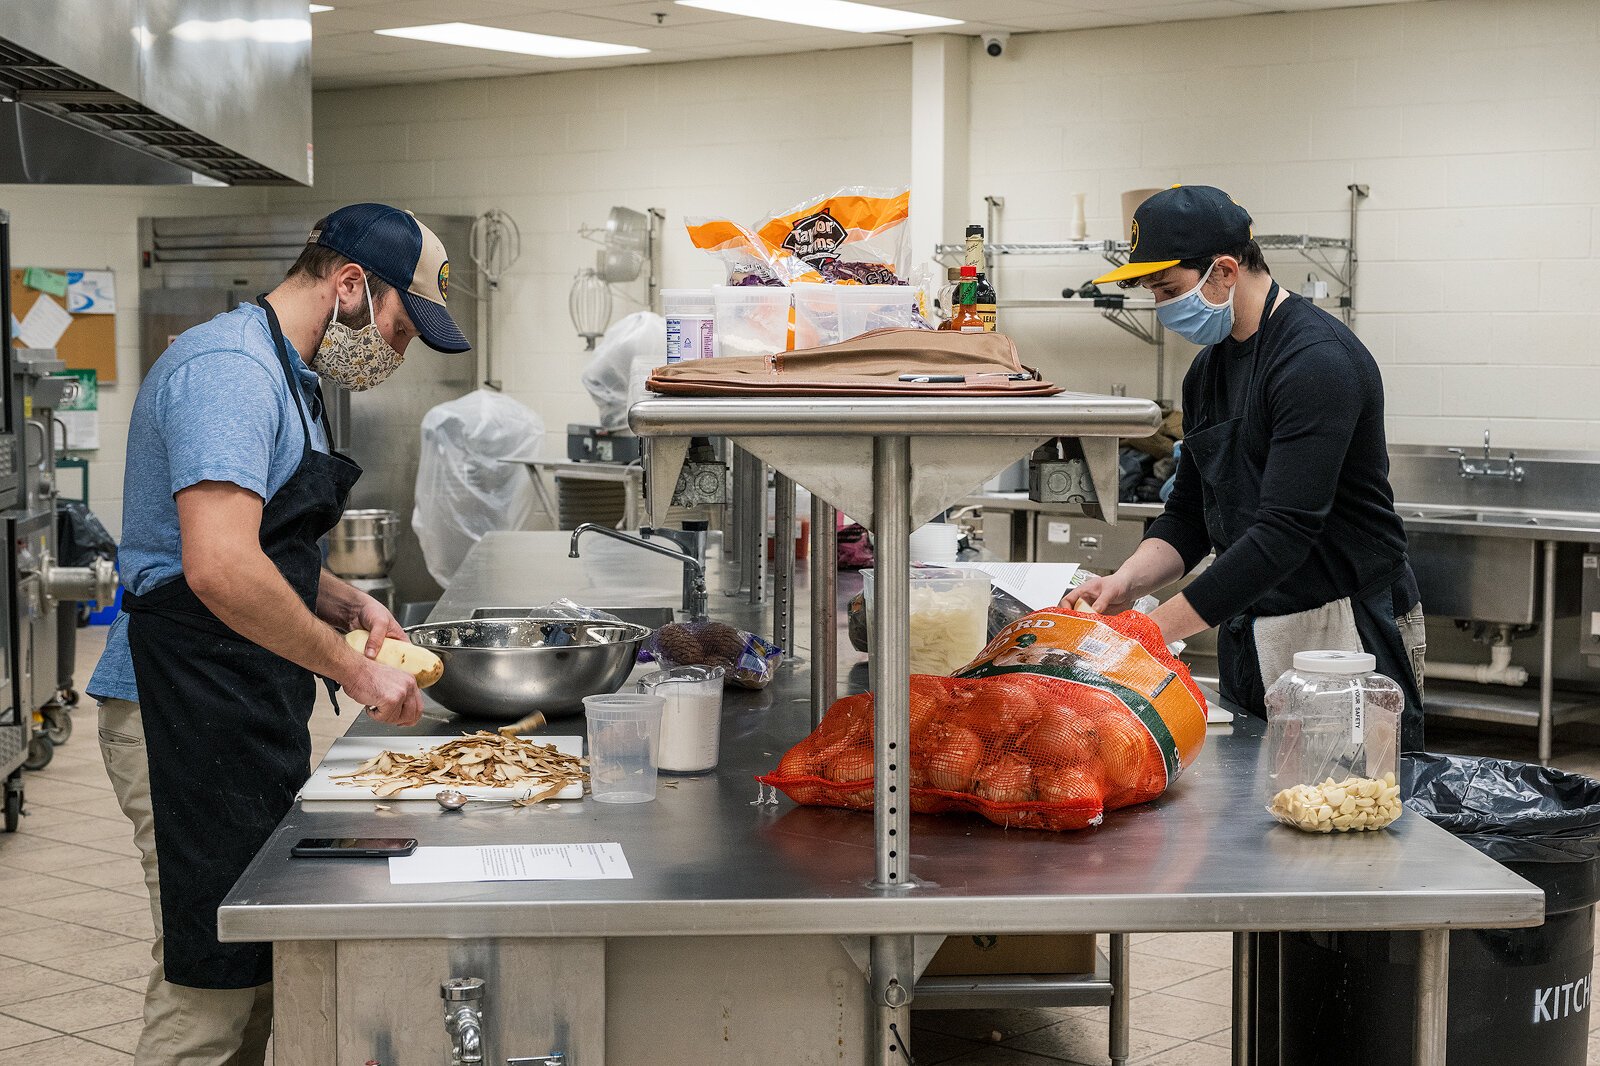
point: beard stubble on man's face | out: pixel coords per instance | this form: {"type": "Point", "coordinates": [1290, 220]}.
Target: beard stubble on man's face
{"type": "Point", "coordinates": [357, 319]}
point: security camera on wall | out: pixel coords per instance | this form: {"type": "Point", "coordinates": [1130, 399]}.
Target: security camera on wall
{"type": "Point", "coordinates": [994, 44]}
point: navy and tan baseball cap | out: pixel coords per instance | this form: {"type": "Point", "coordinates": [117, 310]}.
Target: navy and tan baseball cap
{"type": "Point", "coordinates": [394, 246]}
{"type": "Point", "coordinates": [1183, 222]}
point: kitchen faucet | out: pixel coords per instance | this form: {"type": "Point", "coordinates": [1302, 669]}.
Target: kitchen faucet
{"type": "Point", "coordinates": [690, 551]}
{"type": "Point", "coordinates": [1507, 468]}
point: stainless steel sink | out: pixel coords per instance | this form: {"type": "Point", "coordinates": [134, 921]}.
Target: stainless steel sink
{"type": "Point", "coordinates": [1499, 518]}
{"type": "Point", "coordinates": [1519, 518]}
{"type": "Point", "coordinates": [654, 617]}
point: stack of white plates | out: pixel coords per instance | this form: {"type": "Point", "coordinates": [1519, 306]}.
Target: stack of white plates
{"type": "Point", "coordinates": [935, 542]}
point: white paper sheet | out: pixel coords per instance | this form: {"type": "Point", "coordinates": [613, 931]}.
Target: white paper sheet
{"type": "Point", "coordinates": [1038, 585]}
{"type": "Point", "coordinates": [91, 292]}
{"type": "Point", "coordinates": [44, 323]}
{"type": "Point", "coordinates": [514, 862]}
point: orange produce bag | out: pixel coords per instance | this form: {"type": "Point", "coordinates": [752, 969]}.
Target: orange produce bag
{"type": "Point", "coordinates": [1062, 717]}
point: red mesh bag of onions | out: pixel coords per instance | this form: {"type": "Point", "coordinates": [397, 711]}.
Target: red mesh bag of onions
{"type": "Point", "coordinates": [1062, 717]}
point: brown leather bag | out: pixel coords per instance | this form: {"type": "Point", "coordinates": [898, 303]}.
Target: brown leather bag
{"type": "Point", "coordinates": [868, 365]}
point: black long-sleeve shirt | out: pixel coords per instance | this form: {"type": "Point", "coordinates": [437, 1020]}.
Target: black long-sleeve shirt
{"type": "Point", "coordinates": [1325, 526]}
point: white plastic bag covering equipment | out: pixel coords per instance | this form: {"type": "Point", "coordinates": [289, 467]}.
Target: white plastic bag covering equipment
{"type": "Point", "coordinates": [471, 479]}
{"type": "Point", "coordinates": [613, 377]}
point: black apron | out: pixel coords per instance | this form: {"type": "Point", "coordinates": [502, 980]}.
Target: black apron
{"type": "Point", "coordinates": [225, 721]}
{"type": "Point", "coordinates": [1231, 494]}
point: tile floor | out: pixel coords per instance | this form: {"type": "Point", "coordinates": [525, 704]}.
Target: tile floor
{"type": "Point", "coordinates": [75, 940]}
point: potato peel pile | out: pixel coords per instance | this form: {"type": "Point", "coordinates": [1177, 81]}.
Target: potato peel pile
{"type": "Point", "coordinates": [488, 759]}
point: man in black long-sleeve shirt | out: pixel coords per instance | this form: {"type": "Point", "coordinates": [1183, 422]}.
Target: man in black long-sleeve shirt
{"type": "Point", "coordinates": [1284, 471]}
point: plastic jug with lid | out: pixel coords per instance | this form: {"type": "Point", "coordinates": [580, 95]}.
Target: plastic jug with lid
{"type": "Point", "coordinates": [1333, 730]}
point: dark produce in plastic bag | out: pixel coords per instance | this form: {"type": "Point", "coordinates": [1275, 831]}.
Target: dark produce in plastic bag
{"type": "Point", "coordinates": [749, 661]}
{"type": "Point", "coordinates": [855, 547]}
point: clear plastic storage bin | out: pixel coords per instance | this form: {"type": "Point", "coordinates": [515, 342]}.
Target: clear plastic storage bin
{"type": "Point", "coordinates": [691, 324]}
{"type": "Point", "coordinates": [949, 617]}
{"type": "Point", "coordinates": [754, 320]}
{"type": "Point", "coordinates": [844, 311]}
{"type": "Point", "coordinates": [1333, 729]}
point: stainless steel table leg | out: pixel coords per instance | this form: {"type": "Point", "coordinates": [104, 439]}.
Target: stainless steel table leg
{"type": "Point", "coordinates": [783, 563]}
{"type": "Point", "coordinates": [891, 506]}
{"type": "Point", "coordinates": [541, 490]}
{"type": "Point", "coordinates": [892, 979]}
{"type": "Point", "coordinates": [751, 485]}
{"type": "Point", "coordinates": [824, 605]}
{"type": "Point", "coordinates": [1547, 679]}
{"type": "Point", "coordinates": [1120, 1007]}
{"type": "Point", "coordinates": [1433, 997]}
{"type": "Point", "coordinates": [1242, 951]}
{"type": "Point", "coordinates": [632, 496]}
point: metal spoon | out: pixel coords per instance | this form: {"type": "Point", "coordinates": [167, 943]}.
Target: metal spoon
{"type": "Point", "coordinates": [453, 800]}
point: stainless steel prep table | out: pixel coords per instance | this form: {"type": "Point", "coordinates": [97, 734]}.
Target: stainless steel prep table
{"type": "Point", "coordinates": [709, 864]}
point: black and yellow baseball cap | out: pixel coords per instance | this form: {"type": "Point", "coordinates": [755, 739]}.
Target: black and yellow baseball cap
{"type": "Point", "coordinates": [1183, 222]}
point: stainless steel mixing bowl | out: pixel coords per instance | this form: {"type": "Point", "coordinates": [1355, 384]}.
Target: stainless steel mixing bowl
{"type": "Point", "coordinates": [505, 669]}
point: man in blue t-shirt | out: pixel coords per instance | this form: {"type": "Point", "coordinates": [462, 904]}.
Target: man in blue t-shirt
{"type": "Point", "coordinates": [207, 681]}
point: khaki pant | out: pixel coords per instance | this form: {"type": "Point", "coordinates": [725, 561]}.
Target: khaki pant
{"type": "Point", "coordinates": [183, 1026]}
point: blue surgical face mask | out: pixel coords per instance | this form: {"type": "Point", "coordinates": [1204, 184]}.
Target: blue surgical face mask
{"type": "Point", "coordinates": [1195, 318]}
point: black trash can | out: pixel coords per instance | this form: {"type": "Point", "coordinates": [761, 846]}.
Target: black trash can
{"type": "Point", "coordinates": [1516, 995]}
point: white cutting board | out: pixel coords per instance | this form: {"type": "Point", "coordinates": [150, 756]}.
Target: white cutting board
{"type": "Point", "coordinates": [348, 753]}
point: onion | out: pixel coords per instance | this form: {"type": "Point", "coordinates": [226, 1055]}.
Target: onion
{"type": "Point", "coordinates": [1008, 779]}
{"type": "Point", "coordinates": [1079, 788]}
{"type": "Point", "coordinates": [847, 724]}
{"type": "Point", "coordinates": [800, 762]}
{"type": "Point", "coordinates": [925, 707]}
{"type": "Point", "coordinates": [850, 766]}
{"type": "Point", "coordinates": [1006, 708]}
{"type": "Point", "coordinates": [953, 756]}
{"type": "Point", "coordinates": [1129, 757]}
{"type": "Point", "coordinates": [1063, 738]}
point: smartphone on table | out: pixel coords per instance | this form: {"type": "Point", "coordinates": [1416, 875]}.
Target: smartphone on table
{"type": "Point", "coordinates": [353, 847]}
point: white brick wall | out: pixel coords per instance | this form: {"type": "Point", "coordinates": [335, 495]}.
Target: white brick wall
{"type": "Point", "coordinates": [1474, 122]}
{"type": "Point", "coordinates": [728, 139]}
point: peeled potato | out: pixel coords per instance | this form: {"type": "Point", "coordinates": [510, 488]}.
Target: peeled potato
{"type": "Point", "coordinates": [420, 663]}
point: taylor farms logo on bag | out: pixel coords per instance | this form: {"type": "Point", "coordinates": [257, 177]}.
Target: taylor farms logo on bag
{"type": "Point", "coordinates": [815, 239]}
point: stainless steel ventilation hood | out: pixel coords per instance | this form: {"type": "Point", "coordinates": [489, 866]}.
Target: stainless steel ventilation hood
{"type": "Point", "coordinates": [147, 92]}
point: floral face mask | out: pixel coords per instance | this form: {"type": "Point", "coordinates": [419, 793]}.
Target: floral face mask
{"type": "Point", "coordinates": [356, 359]}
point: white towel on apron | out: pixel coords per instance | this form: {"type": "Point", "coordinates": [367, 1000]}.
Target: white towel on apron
{"type": "Point", "coordinates": [1331, 627]}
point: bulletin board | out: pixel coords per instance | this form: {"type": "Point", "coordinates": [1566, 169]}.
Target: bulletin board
{"type": "Point", "coordinates": [90, 343]}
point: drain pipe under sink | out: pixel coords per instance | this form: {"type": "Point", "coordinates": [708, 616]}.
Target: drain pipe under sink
{"type": "Point", "coordinates": [1497, 671]}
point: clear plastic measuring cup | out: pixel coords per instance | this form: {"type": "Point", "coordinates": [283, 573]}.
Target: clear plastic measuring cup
{"type": "Point", "coordinates": [624, 733]}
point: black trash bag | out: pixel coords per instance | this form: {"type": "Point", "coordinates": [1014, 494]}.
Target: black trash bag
{"type": "Point", "coordinates": [1543, 824]}
{"type": "Point", "coordinates": [81, 536]}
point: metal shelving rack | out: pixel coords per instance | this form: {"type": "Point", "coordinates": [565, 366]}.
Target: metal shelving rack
{"type": "Point", "coordinates": [1334, 256]}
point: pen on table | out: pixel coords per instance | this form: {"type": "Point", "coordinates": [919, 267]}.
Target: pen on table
{"type": "Point", "coordinates": [956, 379]}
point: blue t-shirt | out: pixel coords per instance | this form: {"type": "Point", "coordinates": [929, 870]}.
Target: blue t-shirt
{"type": "Point", "coordinates": [215, 407]}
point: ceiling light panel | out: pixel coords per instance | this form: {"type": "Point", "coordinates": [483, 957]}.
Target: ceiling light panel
{"type": "Point", "coordinates": [827, 14]}
{"type": "Point", "coordinates": [468, 35]}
